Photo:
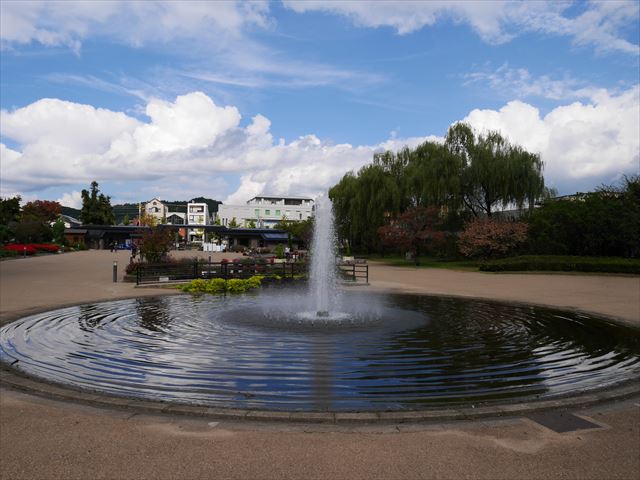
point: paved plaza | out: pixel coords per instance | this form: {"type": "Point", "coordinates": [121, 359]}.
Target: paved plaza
{"type": "Point", "coordinates": [43, 438]}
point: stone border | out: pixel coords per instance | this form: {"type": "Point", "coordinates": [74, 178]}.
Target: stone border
{"type": "Point", "coordinates": [11, 378]}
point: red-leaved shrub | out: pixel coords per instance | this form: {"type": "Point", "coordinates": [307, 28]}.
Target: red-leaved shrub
{"type": "Point", "coordinates": [489, 238]}
{"type": "Point", "coordinates": [45, 247]}
{"type": "Point", "coordinates": [21, 248]}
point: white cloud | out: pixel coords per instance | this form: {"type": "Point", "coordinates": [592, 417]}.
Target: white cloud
{"type": "Point", "coordinates": [597, 140]}
{"type": "Point", "coordinates": [601, 25]}
{"type": "Point", "coordinates": [192, 121]}
{"type": "Point", "coordinates": [133, 22]}
{"type": "Point", "coordinates": [76, 127]}
{"type": "Point", "coordinates": [71, 199]}
{"type": "Point", "coordinates": [519, 83]}
{"type": "Point", "coordinates": [193, 146]}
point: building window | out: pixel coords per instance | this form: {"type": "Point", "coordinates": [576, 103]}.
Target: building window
{"type": "Point", "coordinates": [278, 213]}
{"type": "Point", "coordinates": [267, 212]}
{"type": "Point", "coordinates": [257, 212]}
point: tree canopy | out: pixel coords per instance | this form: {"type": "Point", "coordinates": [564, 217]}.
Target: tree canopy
{"type": "Point", "coordinates": [416, 230]}
{"type": "Point", "coordinates": [467, 175]}
{"type": "Point", "coordinates": [9, 209]}
{"type": "Point", "coordinates": [41, 210]}
{"type": "Point", "coordinates": [96, 207]}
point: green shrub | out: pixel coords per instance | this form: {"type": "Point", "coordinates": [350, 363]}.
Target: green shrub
{"type": "Point", "coordinates": [215, 285]}
{"type": "Point", "coordinates": [219, 285]}
{"type": "Point", "coordinates": [563, 264]}
{"type": "Point", "coordinates": [8, 253]}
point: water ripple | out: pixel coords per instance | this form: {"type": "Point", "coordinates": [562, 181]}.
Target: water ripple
{"type": "Point", "coordinates": [406, 352]}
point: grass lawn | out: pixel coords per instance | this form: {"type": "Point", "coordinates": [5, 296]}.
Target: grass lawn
{"type": "Point", "coordinates": [426, 262]}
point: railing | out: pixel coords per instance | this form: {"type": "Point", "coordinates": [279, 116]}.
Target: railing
{"type": "Point", "coordinates": [162, 273]}
{"type": "Point", "coordinates": [159, 273]}
{"type": "Point", "coordinates": [354, 271]}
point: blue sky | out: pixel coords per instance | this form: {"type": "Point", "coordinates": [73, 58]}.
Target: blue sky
{"type": "Point", "coordinates": [232, 99]}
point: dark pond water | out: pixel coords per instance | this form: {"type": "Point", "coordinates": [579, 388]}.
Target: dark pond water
{"type": "Point", "coordinates": [400, 352]}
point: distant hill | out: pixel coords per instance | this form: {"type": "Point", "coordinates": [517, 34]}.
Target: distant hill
{"type": "Point", "coordinates": [71, 212]}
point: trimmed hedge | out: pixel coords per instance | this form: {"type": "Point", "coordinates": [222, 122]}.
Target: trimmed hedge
{"type": "Point", "coordinates": [563, 264]}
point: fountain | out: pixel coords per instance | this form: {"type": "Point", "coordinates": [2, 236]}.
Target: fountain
{"type": "Point", "coordinates": [322, 274]}
{"type": "Point", "coordinates": [322, 350]}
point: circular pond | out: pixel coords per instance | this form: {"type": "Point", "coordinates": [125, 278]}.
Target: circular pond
{"type": "Point", "coordinates": [392, 352]}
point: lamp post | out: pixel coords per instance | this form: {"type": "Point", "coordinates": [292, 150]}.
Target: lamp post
{"type": "Point", "coordinates": [115, 271]}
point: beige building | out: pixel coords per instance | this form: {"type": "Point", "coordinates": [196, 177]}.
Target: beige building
{"type": "Point", "coordinates": [156, 209]}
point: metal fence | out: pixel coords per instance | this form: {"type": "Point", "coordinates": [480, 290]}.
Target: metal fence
{"type": "Point", "coordinates": [354, 271]}
{"type": "Point", "coordinates": [162, 273]}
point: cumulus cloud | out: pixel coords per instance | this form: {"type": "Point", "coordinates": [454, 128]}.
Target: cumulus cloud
{"type": "Point", "coordinates": [191, 145]}
{"type": "Point", "coordinates": [71, 199]}
{"type": "Point", "coordinates": [600, 25]}
{"type": "Point", "coordinates": [580, 141]}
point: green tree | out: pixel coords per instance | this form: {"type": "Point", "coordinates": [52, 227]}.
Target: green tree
{"type": "Point", "coordinates": [125, 220]}
{"type": "Point", "coordinates": [298, 229]}
{"type": "Point", "coordinates": [603, 223]}
{"type": "Point", "coordinates": [6, 234]}
{"type": "Point", "coordinates": [32, 231]}
{"type": "Point", "coordinates": [9, 209]}
{"type": "Point", "coordinates": [493, 171]}
{"type": "Point", "coordinates": [96, 207]}
{"type": "Point", "coordinates": [233, 223]}
{"type": "Point", "coordinates": [58, 232]}
{"type": "Point", "coordinates": [467, 175]}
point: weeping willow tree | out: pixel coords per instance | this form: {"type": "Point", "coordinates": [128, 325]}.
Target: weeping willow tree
{"type": "Point", "coordinates": [494, 172]}
{"type": "Point", "coordinates": [362, 202]}
{"type": "Point", "coordinates": [469, 173]}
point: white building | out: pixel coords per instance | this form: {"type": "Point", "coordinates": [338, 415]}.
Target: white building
{"type": "Point", "coordinates": [197, 214]}
{"type": "Point", "coordinates": [266, 211]}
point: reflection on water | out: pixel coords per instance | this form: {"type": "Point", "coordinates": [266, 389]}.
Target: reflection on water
{"type": "Point", "coordinates": [406, 352]}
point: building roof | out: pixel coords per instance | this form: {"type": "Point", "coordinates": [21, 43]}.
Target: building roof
{"type": "Point", "coordinates": [288, 197]}
{"type": "Point", "coordinates": [70, 219]}
{"type": "Point", "coordinates": [277, 237]}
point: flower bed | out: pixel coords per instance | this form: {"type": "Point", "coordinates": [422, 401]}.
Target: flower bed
{"type": "Point", "coordinates": [31, 248]}
{"type": "Point", "coordinates": [21, 248]}
{"type": "Point", "coordinates": [45, 247]}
